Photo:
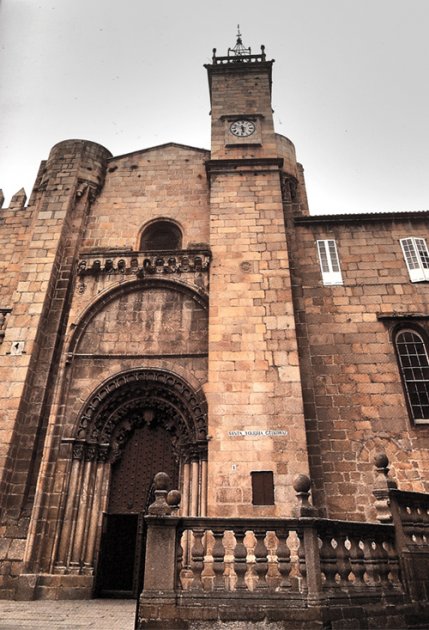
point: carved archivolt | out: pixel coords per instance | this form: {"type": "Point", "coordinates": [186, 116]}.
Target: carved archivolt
{"type": "Point", "coordinates": [136, 397]}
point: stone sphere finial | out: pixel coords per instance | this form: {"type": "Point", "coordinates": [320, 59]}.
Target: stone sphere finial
{"type": "Point", "coordinates": [161, 481]}
{"type": "Point", "coordinates": [381, 460]}
{"type": "Point", "coordinates": [302, 483]}
{"type": "Point", "coordinates": [173, 498]}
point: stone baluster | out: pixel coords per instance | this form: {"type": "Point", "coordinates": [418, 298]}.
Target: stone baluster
{"type": "Point", "coordinates": [179, 558]}
{"type": "Point", "coordinates": [283, 558]}
{"type": "Point", "coordinates": [370, 561]}
{"type": "Point", "coordinates": [343, 560]}
{"type": "Point", "coordinates": [197, 559]}
{"type": "Point", "coordinates": [218, 560]}
{"type": "Point", "coordinates": [240, 556]}
{"type": "Point", "coordinates": [357, 561]}
{"type": "Point", "coordinates": [381, 559]}
{"type": "Point", "coordinates": [301, 561]}
{"type": "Point", "coordinates": [261, 558]}
{"type": "Point", "coordinates": [328, 560]}
{"type": "Point", "coordinates": [393, 561]}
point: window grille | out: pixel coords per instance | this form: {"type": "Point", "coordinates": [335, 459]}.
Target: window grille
{"type": "Point", "coordinates": [414, 364]}
{"type": "Point", "coordinates": [329, 262]}
{"type": "Point", "coordinates": [416, 257]}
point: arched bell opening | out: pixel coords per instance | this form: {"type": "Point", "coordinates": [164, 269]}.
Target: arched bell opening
{"type": "Point", "coordinates": [135, 425]}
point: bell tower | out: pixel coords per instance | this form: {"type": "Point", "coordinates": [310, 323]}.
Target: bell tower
{"type": "Point", "coordinates": [256, 421]}
{"type": "Point", "coordinates": [240, 94]}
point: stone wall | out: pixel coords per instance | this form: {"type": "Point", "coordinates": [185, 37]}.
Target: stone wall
{"type": "Point", "coordinates": [254, 381]}
{"type": "Point", "coordinates": [353, 396]}
{"type": "Point", "coordinates": [167, 181]}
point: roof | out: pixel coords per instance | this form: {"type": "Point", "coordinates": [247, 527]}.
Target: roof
{"type": "Point", "coordinates": [161, 146]}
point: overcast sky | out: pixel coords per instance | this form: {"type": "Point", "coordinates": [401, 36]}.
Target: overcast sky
{"type": "Point", "coordinates": [350, 85]}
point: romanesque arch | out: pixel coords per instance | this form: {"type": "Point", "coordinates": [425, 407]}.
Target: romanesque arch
{"type": "Point", "coordinates": [124, 404]}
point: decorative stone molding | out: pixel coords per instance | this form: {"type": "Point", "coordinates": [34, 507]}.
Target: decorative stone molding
{"type": "Point", "coordinates": [194, 264]}
{"type": "Point", "coordinates": [131, 399]}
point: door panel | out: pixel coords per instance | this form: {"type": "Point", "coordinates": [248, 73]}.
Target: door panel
{"type": "Point", "coordinates": [121, 559]}
{"type": "Point", "coordinates": [117, 557]}
{"type": "Point", "coordinates": [148, 452]}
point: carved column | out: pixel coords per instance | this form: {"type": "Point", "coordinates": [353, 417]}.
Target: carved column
{"type": "Point", "coordinates": [194, 487]}
{"type": "Point", "coordinates": [68, 521]}
{"type": "Point", "coordinates": [81, 519]}
{"type": "Point", "coordinates": [94, 513]}
{"type": "Point", "coordinates": [204, 481]}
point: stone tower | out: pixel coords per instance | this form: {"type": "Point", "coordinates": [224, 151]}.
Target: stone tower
{"type": "Point", "coordinates": [256, 421]}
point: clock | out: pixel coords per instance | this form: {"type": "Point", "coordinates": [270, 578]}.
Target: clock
{"type": "Point", "coordinates": [242, 128]}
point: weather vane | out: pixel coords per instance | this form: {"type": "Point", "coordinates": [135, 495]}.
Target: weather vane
{"type": "Point", "coordinates": [239, 50]}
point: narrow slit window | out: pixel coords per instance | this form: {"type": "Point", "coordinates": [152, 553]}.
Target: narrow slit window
{"type": "Point", "coordinates": [416, 256]}
{"type": "Point", "coordinates": [329, 262]}
{"type": "Point", "coordinates": [414, 365]}
{"type": "Point", "coordinates": [262, 488]}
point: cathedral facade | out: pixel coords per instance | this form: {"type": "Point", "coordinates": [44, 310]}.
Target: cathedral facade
{"type": "Point", "coordinates": [178, 309]}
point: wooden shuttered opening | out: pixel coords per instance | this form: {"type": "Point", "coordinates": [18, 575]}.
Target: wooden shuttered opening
{"type": "Point", "coordinates": [262, 488]}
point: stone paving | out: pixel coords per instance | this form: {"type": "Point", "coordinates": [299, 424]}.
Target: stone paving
{"type": "Point", "coordinates": [96, 614]}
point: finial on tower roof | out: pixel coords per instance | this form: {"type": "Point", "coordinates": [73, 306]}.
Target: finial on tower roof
{"type": "Point", "coordinates": [239, 50]}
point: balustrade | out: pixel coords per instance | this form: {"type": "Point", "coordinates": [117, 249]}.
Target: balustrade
{"type": "Point", "coordinates": [279, 565]}
{"type": "Point", "coordinates": [270, 556]}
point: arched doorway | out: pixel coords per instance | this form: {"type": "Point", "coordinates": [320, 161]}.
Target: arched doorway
{"type": "Point", "coordinates": [135, 425]}
{"type": "Point", "coordinates": [148, 451]}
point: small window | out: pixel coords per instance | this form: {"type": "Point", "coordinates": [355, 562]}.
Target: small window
{"type": "Point", "coordinates": [416, 257]}
{"type": "Point", "coordinates": [262, 488]}
{"type": "Point", "coordinates": [162, 235]}
{"type": "Point", "coordinates": [329, 262]}
{"type": "Point", "coordinates": [414, 365]}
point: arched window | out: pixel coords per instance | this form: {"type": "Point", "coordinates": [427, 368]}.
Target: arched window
{"type": "Point", "coordinates": [161, 235]}
{"type": "Point", "coordinates": [414, 365]}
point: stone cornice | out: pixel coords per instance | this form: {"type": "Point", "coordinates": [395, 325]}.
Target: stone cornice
{"type": "Point", "coordinates": [369, 217]}
{"type": "Point", "coordinates": [247, 165]}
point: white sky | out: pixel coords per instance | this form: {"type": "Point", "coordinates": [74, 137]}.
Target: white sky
{"type": "Point", "coordinates": [350, 85]}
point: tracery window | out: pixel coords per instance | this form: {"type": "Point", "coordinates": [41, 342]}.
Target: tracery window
{"type": "Point", "coordinates": [161, 235]}
{"type": "Point", "coordinates": [413, 361]}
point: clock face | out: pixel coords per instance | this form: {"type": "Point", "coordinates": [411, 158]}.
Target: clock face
{"type": "Point", "coordinates": [242, 128]}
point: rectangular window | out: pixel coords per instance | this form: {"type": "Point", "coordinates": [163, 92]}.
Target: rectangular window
{"type": "Point", "coordinates": [416, 257]}
{"type": "Point", "coordinates": [329, 262]}
{"type": "Point", "coordinates": [262, 488]}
